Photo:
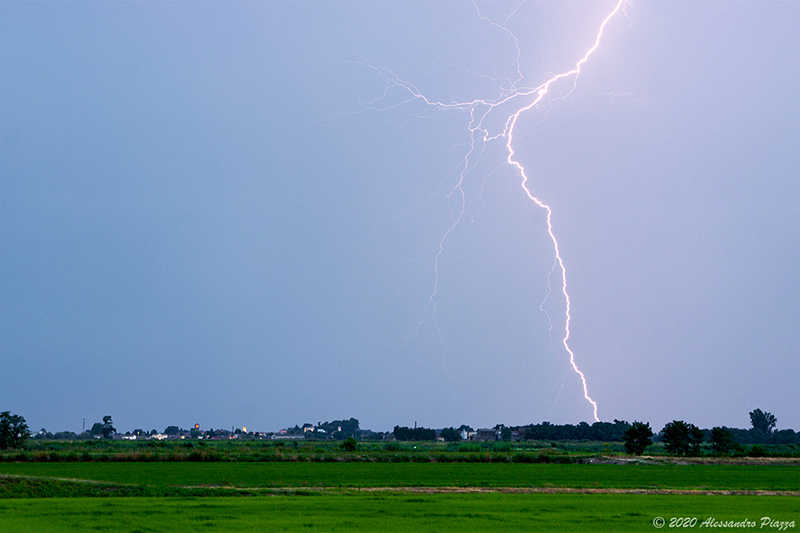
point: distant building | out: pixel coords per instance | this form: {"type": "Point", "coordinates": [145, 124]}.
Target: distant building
{"type": "Point", "coordinates": [286, 436]}
{"type": "Point", "coordinates": [484, 434]}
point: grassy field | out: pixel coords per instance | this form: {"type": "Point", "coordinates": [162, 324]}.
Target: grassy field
{"type": "Point", "coordinates": [360, 474]}
{"type": "Point", "coordinates": [385, 496]}
{"type": "Point", "coordinates": [386, 512]}
{"type": "Point", "coordinates": [194, 450]}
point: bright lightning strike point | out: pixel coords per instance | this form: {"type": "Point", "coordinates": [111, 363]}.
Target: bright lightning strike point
{"type": "Point", "coordinates": [479, 113]}
{"type": "Point", "coordinates": [509, 134]}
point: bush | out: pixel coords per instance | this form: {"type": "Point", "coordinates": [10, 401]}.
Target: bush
{"type": "Point", "coordinates": [757, 451]}
{"type": "Point", "coordinates": [393, 446]}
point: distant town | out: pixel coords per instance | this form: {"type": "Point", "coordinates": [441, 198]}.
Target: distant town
{"type": "Point", "coordinates": [763, 431]}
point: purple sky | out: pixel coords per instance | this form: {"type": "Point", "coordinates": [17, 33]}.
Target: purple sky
{"type": "Point", "coordinates": [227, 213]}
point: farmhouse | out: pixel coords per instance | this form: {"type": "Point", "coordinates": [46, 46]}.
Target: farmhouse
{"type": "Point", "coordinates": [484, 434]}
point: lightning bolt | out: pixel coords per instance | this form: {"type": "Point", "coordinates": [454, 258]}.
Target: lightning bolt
{"type": "Point", "coordinates": [509, 134]}
{"type": "Point", "coordinates": [480, 111]}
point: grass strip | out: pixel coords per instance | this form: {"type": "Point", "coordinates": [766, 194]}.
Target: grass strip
{"type": "Point", "coordinates": [315, 475]}
{"type": "Point", "coordinates": [387, 511]}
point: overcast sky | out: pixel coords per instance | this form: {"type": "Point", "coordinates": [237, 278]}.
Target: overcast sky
{"type": "Point", "coordinates": [229, 214]}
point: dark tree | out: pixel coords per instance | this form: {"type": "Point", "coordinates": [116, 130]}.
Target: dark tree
{"type": "Point", "coordinates": [722, 440]}
{"type": "Point", "coordinates": [172, 430]}
{"type": "Point", "coordinates": [681, 438]}
{"type": "Point", "coordinates": [97, 428]}
{"type": "Point", "coordinates": [349, 444]}
{"type": "Point", "coordinates": [602, 431]}
{"type": "Point", "coordinates": [784, 436]}
{"type": "Point", "coordinates": [696, 438]}
{"type": "Point", "coordinates": [108, 427]}
{"type": "Point", "coordinates": [637, 438]}
{"type": "Point", "coordinates": [450, 435]}
{"type": "Point", "coordinates": [764, 422]}
{"type": "Point", "coordinates": [13, 431]}
{"type": "Point", "coordinates": [339, 429]}
{"type": "Point", "coordinates": [420, 433]}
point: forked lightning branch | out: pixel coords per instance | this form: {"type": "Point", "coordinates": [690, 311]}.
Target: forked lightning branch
{"type": "Point", "coordinates": [481, 112]}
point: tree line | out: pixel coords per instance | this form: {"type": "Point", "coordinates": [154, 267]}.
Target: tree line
{"type": "Point", "coordinates": [416, 433]}
{"type": "Point", "coordinates": [682, 438]}
{"type": "Point", "coordinates": [599, 431]}
{"type": "Point", "coordinates": [679, 437]}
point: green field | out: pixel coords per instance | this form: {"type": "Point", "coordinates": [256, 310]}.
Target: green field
{"type": "Point", "coordinates": [360, 474]}
{"type": "Point", "coordinates": [389, 496]}
{"type": "Point", "coordinates": [385, 512]}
